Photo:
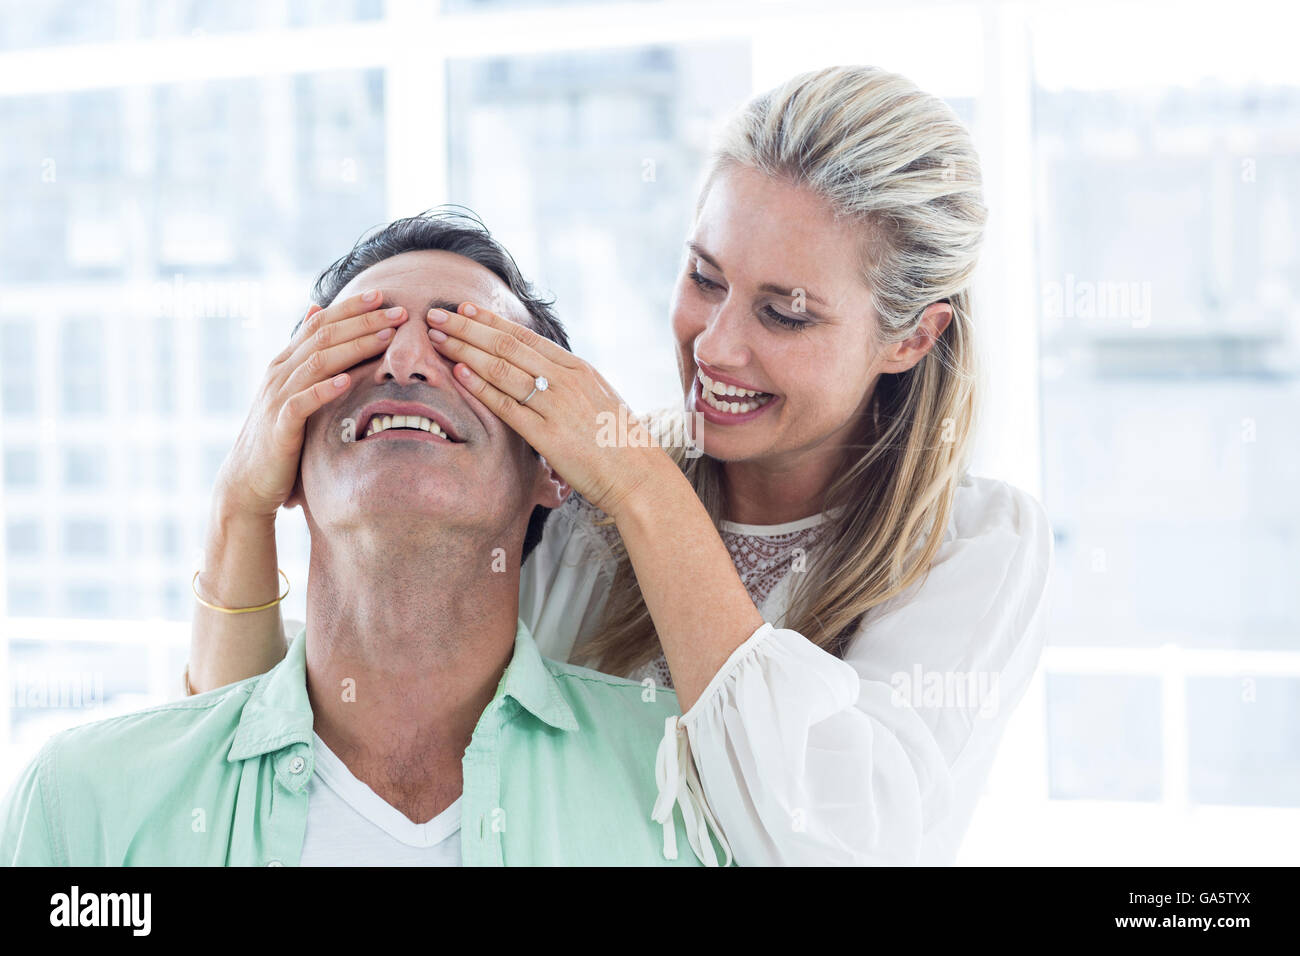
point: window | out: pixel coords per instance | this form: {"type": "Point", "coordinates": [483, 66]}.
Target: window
{"type": "Point", "coordinates": [82, 368]}
{"type": "Point", "coordinates": [85, 538]}
{"type": "Point", "coordinates": [1241, 732]}
{"type": "Point", "coordinates": [23, 537]}
{"type": "Point", "coordinates": [1118, 758]}
{"type": "Point", "coordinates": [22, 466]}
{"type": "Point", "coordinates": [18, 358]}
{"type": "Point", "coordinates": [83, 467]}
{"type": "Point", "coordinates": [1169, 397]}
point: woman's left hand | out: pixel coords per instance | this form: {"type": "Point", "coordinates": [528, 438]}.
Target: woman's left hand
{"type": "Point", "coordinates": [575, 422]}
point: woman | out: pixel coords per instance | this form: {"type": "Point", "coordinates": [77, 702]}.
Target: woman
{"type": "Point", "coordinates": [846, 615]}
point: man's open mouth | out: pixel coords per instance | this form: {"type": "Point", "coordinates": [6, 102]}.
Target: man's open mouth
{"type": "Point", "coordinates": [394, 416]}
{"type": "Point", "coordinates": [382, 423]}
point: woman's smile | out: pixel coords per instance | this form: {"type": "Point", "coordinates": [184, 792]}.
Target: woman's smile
{"type": "Point", "coordinates": [726, 401]}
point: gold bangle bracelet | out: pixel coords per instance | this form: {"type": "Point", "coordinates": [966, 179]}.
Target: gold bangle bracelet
{"type": "Point", "coordinates": [194, 586]}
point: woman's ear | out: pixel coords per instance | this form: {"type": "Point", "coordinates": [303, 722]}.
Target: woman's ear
{"type": "Point", "coordinates": [901, 356]}
{"type": "Point", "coordinates": [551, 488]}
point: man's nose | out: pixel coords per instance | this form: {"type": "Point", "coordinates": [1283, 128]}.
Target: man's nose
{"type": "Point", "coordinates": [411, 357]}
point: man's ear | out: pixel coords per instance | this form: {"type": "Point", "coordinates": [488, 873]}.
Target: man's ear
{"type": "Point", "coordinates": [551, 488]}
{"type": "Point", "coordinates": [295, 497]}
{"type": "Point", "coordinates": [901, 356]}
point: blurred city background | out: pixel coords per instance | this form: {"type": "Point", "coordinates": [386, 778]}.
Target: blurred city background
{"type": "Point", "coordinates": [174, 174]}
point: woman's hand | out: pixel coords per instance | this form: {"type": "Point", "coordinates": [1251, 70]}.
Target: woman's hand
{"type": "Point", "coordinates": [579, 424]}
{"type": "Point", "coordinates": [259, 474]}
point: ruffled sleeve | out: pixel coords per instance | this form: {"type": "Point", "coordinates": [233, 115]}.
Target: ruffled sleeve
{"type": "Point", "coordinates": [878, 758]}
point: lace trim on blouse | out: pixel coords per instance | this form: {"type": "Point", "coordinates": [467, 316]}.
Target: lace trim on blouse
{"type": "Point", "coordinates": [762, 559]}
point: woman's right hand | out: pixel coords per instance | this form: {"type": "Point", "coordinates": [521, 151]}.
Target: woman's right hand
{"type": "Point", "coordinates": [261, 470]}
{"type": "Point", "coordinates": [258, 477]}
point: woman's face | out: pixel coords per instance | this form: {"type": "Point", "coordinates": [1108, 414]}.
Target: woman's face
{"type": "Point", "coordinates": [771, 300]}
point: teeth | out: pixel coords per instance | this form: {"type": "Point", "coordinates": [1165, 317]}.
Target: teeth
{"type": "Point", "coordinates": [722, 388]}
{"type": "Point", "coordinates": [381, 423]}
{"type": "Point", "coordinates": [734, 408]}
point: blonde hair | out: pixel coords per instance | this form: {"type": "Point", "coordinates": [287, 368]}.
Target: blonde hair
{"type": "Point", "coordinates": [899, 163]}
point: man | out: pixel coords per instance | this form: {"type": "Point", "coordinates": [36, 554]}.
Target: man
{"type": "Point", "coordinates": [412, 721]}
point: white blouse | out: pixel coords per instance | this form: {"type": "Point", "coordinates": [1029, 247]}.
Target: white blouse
{"type": "Point", "coordinates": [810, 759]}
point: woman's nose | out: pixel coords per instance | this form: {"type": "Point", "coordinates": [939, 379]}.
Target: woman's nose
{"type": "Point", "coordinates": [724, 341]}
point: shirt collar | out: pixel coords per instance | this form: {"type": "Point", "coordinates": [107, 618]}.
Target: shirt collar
{"type": "Point", "coordinates": [531, 684]}
{"type": "Point", "coordinates": [278, 714]}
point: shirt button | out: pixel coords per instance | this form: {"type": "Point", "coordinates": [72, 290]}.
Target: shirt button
{"type": "Point", "coordinates": [296, 765]}
{"type": "Point", "coordinates": [275, 863]}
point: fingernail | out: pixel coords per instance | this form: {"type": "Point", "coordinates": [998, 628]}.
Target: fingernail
{"type": "Point", "coordinates": [465, 373]}
{"type": "Point", "coordinates": [438, 335]}
{"type": "Point", "coordinates": [385, 334]}
{"type": "Point", "coordinates": [470, 310]}
{"type": "Point", "coordinates": [371, 296]}
{"type": "Point", "coordinates": [394, 312]}
{"type": "Point", "coordinates": [340, 381]}
{"type": "Point", "coordinates": [438, 315]}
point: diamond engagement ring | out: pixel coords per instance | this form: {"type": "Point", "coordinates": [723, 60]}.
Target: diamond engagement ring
{"type": "Point", "coordinates": [540, 384]}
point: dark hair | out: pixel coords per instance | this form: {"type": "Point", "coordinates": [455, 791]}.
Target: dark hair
{"type": "Point", "coordinates": [458, 230]}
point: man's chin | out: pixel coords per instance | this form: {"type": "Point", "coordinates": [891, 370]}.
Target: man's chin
{"type": "Point", "coordinates": [399, 521]}
{"type": "Point", "coordinates": [435, 504]}
{"type": "Point", "coordinates": [409, 497]}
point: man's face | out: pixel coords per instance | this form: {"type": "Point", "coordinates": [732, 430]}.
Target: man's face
{"type": "Point", "coordinates": [408, 483]}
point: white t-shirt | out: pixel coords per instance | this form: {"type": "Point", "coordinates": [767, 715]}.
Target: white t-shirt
{"type": "Point", "coordinates": [348, 824]}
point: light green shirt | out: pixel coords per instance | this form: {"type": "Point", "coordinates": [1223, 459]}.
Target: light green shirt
{"type": "Point", "coordinates": [560, 771]}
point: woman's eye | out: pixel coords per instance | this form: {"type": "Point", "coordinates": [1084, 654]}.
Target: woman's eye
{"type": "Point", "coordinates": [785, 320]}
{"type": "Point", "coordinates": [703, 282]}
